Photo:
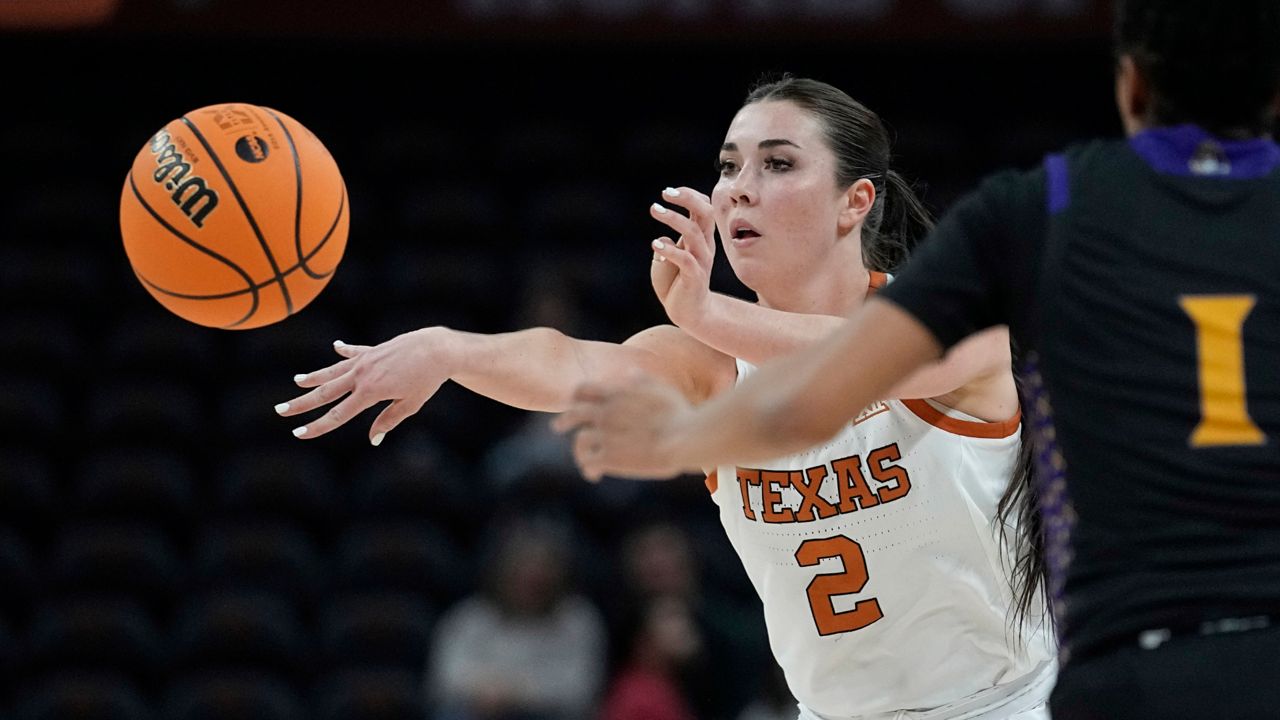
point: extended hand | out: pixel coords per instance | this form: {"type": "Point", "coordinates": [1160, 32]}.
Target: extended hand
{"type": "Point", "coordinates": [626, 431]}
{"type": "Point", "coordinates": [403, 370]}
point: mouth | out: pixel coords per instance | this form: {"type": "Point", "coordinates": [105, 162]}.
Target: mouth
{"type": "Point", "coordinates": [741, 233]}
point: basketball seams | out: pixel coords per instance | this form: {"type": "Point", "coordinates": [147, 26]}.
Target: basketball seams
{"type": "Point", "coordinates": [244, 207]}
{"type": "Point", "coordinates": [303, 258]}
{"type": "Point", "coordinates": [297, 208]}
{"type": "Point", "coordinates": [342, 206]}
{"type": "Point", "coordinates": [256, 286]}
{"type": "Point", "coordinates": [251, 287]}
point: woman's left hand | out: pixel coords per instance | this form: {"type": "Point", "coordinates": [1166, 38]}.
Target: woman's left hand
{"type": "Point", "coordinates": [681, 270]}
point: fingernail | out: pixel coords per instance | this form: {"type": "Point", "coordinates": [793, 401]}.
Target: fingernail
{"type": "Point", "coordinates": [671, 192]}
{"type": "Point", "coordinates": [282, 408]}
{"type": "Point", "coordinates": [299, 377]}
{"type": "Point", "coordinates": [376, 440]}
{"type": "Point", "coordinates": [657, 207]}
{"type": "Point", "coordinates": [657, 245]}
{"type": "Point", "coordinates": [338, 343]}
{"type": "Point", "coordinates": [300, 431]}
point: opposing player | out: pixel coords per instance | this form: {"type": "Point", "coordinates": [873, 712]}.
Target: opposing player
{"type": "Point", "coordinates": [1142, 280]}
{"type": "Point", "coordinates": [876, 552]}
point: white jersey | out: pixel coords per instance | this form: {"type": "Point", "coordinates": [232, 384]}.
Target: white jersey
{"type": "Point", "coordinates": [876, 556]}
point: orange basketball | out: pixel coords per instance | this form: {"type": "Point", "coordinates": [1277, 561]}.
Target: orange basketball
{"type": "Point", "coordinates": [234, 216]}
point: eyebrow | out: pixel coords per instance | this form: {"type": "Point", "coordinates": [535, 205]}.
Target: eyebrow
{"type": "Point", "coordinates": [763, 145]}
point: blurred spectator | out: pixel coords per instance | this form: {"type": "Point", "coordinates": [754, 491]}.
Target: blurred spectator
{"type": "Point", "coordinates": [724, 644]}
{"type": "Point", "coordinates": [549, 299]}
{"type": "Point", "coordinates": [527, 647]}
{"type": "Point", "coordinates": [658, 645]}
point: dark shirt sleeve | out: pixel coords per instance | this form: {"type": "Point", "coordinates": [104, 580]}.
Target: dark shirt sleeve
{"type": "Point", "coordinates": [978, 267]}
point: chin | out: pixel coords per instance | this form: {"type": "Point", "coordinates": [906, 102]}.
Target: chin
{"type": "Point", "coordinates": [753, 273]}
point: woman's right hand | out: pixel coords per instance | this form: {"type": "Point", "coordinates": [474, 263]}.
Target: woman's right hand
{"type": "Point", "coordinates": [407, 370]}
{"type": "Point", "coordinates": [681, 271]}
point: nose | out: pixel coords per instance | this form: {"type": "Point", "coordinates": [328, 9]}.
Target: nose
{"type": "Point", "coordinates": [742, 189]}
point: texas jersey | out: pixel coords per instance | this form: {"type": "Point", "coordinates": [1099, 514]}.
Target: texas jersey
{"type": "Point", "coordinates": [876, 556]}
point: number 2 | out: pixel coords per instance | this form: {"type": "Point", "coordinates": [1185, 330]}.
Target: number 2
{"type": "Point", "coordinates": [1224, 414]}
{"type": "Point", "coordinates": [826, 586]}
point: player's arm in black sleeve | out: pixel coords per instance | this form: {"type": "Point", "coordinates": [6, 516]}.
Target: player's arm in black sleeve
{"type": "Point", "coordinates": [978, 267]}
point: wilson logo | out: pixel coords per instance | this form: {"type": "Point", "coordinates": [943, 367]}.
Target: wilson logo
{"type": "Point", "coordinates": [189, 192]}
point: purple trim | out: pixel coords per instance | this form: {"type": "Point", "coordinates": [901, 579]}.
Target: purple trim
{"type": "Point", "coordinates": [1057, 183]}
{"type": "Point", "coordinates": [1057, 514]}
{"type": "Point", "coordinates": [1189, 151]}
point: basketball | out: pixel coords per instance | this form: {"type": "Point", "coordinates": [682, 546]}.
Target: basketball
{"type": "Point", "coordinates": [234, 216]}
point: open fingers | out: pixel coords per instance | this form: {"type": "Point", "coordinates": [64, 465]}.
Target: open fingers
{"type": "Point", "coordinates": [322, 395]}
{"type": "Point", "coordinates": [348, 351]}
{"type": "Point", "coordinates": [390, 417]}
{"type": "Point", "coordinates": [337, 416]}
{"type": "Point", "coordinates": [699, 208]}
{"type": "Point", "coordinates": [690, 232]}
{"type": "Point", "coordinates": [691, 200]}
{"type": "Point", "coordinates": [320, 377]}
{"type": "Point", "coordinates": [678, 256]}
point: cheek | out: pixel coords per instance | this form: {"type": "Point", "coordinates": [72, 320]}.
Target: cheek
{"type": "Point", "coordinates": [799, 207]}
{"type": "Point", "coordinates": [719, 207]}
{"type": "Point", "coordinates": [719, 196]}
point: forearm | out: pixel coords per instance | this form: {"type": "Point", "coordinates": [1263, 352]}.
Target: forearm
{"type": "Point", "coordinates": [759, 334]}
{"type": "Point", "coordinates": [756, 333]}
{"type": "Point", "coordinates": [534, 369]}
{"type": "Point", "coordinates": [803, 399]}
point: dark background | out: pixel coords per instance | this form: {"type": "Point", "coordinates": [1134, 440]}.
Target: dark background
{"type": "Point", "coordinates": [499, 158]}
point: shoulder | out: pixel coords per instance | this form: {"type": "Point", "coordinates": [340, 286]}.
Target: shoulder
{"type": "Point", "coordinates": [580, 615]}
{"type": "Point", "coordinates": [468, 614]}
{"type": "Point", "coordinates": [701, 371]}
{"type": "Point", "coordinates": [1093, 150]}
{"type": "Point", "coordinates": [1022, 188]}
{"type": "Point", "coordinates": [1028, 183]}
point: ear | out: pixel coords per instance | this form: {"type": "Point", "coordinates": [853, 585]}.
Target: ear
{"type": "Point", "coordinates": [1133, 95]}
{"type": "Point", "coordinates": [858, 200]}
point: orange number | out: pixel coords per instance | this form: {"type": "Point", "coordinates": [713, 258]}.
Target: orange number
{"type": "Point", "coordinates": [1224, 416]}
{"type": "Point", "coordinates": [826, 586]}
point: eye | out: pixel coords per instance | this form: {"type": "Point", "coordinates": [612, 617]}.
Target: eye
{"type": "Point", "coordinates": [726, 167]}
{"type": "Point", "coordinates": [777, 163]}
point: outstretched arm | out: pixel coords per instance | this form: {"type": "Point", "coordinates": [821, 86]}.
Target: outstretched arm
{"type": "Point", "coordinates": [643, 430]}
{"type": "Point", "coordinates": [535, 369]}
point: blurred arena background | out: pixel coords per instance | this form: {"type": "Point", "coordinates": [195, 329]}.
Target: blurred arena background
{"type": "Point", "coordinates": [169, 550]}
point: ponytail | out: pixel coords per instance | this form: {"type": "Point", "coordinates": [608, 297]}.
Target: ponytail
{"type": "Point", "coordinates": [901, 221]}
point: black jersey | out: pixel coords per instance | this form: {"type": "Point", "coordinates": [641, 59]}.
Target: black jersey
{"type": "Point", "coordinates": [1141, 283]}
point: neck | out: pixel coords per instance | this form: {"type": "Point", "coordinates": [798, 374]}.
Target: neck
{"type": "Point", "coordinates": [839, 291]}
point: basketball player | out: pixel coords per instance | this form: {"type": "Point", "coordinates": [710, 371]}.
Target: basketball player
{"type": "Point", "coordinates": [1142, 280]}
{"type": "Point", "coordinates": [876, 552]}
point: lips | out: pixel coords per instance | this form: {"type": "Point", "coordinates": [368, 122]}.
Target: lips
{"type": "Point", "coordinates": [742, 232]}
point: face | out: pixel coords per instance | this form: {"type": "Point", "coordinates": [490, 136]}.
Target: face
{"type": "Point", "coordinates": [777, 207]}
